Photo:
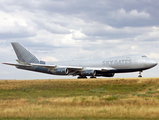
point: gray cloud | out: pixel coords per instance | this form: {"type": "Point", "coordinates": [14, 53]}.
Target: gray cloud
{"type": "Point", "coordinates": [89, 20]}
{"type": "Point", "coordinates": [79, 29]}
{"type": "Point", "coordinates": [114, 13]}
{"type": "Point", "coordinates": [52, 27]}
{"type": "Point", "coordinates": [21, 33]}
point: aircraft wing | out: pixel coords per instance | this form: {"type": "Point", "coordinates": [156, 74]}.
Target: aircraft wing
{"type": "Point", "coordinates": [73, 70]}
{"type": "Point", "coordinates": [76, 68]}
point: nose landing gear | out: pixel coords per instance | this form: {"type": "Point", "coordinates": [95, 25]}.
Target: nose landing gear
{"type": "Point", "coordinates": [140, 74]}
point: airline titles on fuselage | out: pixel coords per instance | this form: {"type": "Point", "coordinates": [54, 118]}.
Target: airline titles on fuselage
{"type": "Point", "coordinates": [117, 62]}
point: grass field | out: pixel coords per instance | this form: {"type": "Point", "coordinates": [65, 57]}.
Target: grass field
{"type": "Point", "coordinates": [115, 98]}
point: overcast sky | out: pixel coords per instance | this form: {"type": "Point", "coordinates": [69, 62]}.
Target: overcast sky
{"type": "Point", "coordinates": [56, 30]}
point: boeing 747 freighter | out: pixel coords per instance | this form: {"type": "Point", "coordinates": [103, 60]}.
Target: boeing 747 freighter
{"type": "Point", "coordinates": [101, 68]}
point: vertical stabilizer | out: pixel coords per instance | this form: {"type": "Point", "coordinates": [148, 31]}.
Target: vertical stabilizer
{"type": "Point", "coordinates": [23, 54]}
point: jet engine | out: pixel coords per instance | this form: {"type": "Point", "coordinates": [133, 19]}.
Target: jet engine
{"type": "Point", "coordinates": [60, 71]}
{"type": "Point", "coordinates": [88, 73]}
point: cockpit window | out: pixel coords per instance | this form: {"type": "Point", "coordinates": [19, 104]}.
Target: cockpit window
{"type": "Point", "coordinates": [144, 56]}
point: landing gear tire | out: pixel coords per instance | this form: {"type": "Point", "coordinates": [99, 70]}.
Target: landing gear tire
{"type": "Point", "coordinates": [92, 77]}
{"type": "Point", "coordinates": [82, 77]}
{"type": "Point", "coordinates": [139, 76]}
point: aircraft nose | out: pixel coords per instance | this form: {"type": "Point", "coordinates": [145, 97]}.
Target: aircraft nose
{"type": "Point", "coordinates": [151, 63]}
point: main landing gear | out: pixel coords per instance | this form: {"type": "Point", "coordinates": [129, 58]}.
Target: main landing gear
{"type": "Point", "coordinates": [92, 77]}
{"type": "Point", "coordinates": [82, 77]}
{"type": "Point", "coordinates": [140, 74]}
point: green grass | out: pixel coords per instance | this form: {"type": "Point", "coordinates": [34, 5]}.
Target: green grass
{"type": "Point", "coordinates": [74, 88]}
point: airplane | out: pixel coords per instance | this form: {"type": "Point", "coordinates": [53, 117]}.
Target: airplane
{"type": "Point", "coordinates": [97, 68]}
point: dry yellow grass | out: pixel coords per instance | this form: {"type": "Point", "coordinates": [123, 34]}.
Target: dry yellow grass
{"type": "Point", "coordinates": [67, 107]}
{"type": "Point", "coordinates": [128, 106]}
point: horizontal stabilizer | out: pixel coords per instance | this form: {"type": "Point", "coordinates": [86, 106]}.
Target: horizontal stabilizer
{"type": "Point", "coordinates": [23, 64]}
{"type": "Point", "coordinates": [17, 65]}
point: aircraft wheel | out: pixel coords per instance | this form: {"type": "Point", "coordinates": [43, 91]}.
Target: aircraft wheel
{"type": "Point", "coordinates": [79, 77]}
{"type": "Point", "coordinates": [140, 76]}
{"type": "Point", "coordinates": [82, 77]}
{"type": "Point", "coordinates": [92, 77]}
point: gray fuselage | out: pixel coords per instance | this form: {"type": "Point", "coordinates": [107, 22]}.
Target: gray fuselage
{"type": "Point", "coordinates": [127, 63]}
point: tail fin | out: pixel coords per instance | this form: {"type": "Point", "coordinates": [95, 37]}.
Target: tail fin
{"type": "Point", "coordinates": [23, 54]}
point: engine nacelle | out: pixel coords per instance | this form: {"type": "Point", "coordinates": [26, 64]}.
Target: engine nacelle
{"type": "Point", "coordinates": [88, 73]}
{"type": "Point", "coordinates": [109, 75]}
{"type": "Point", "coordinates": [60, 71]}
